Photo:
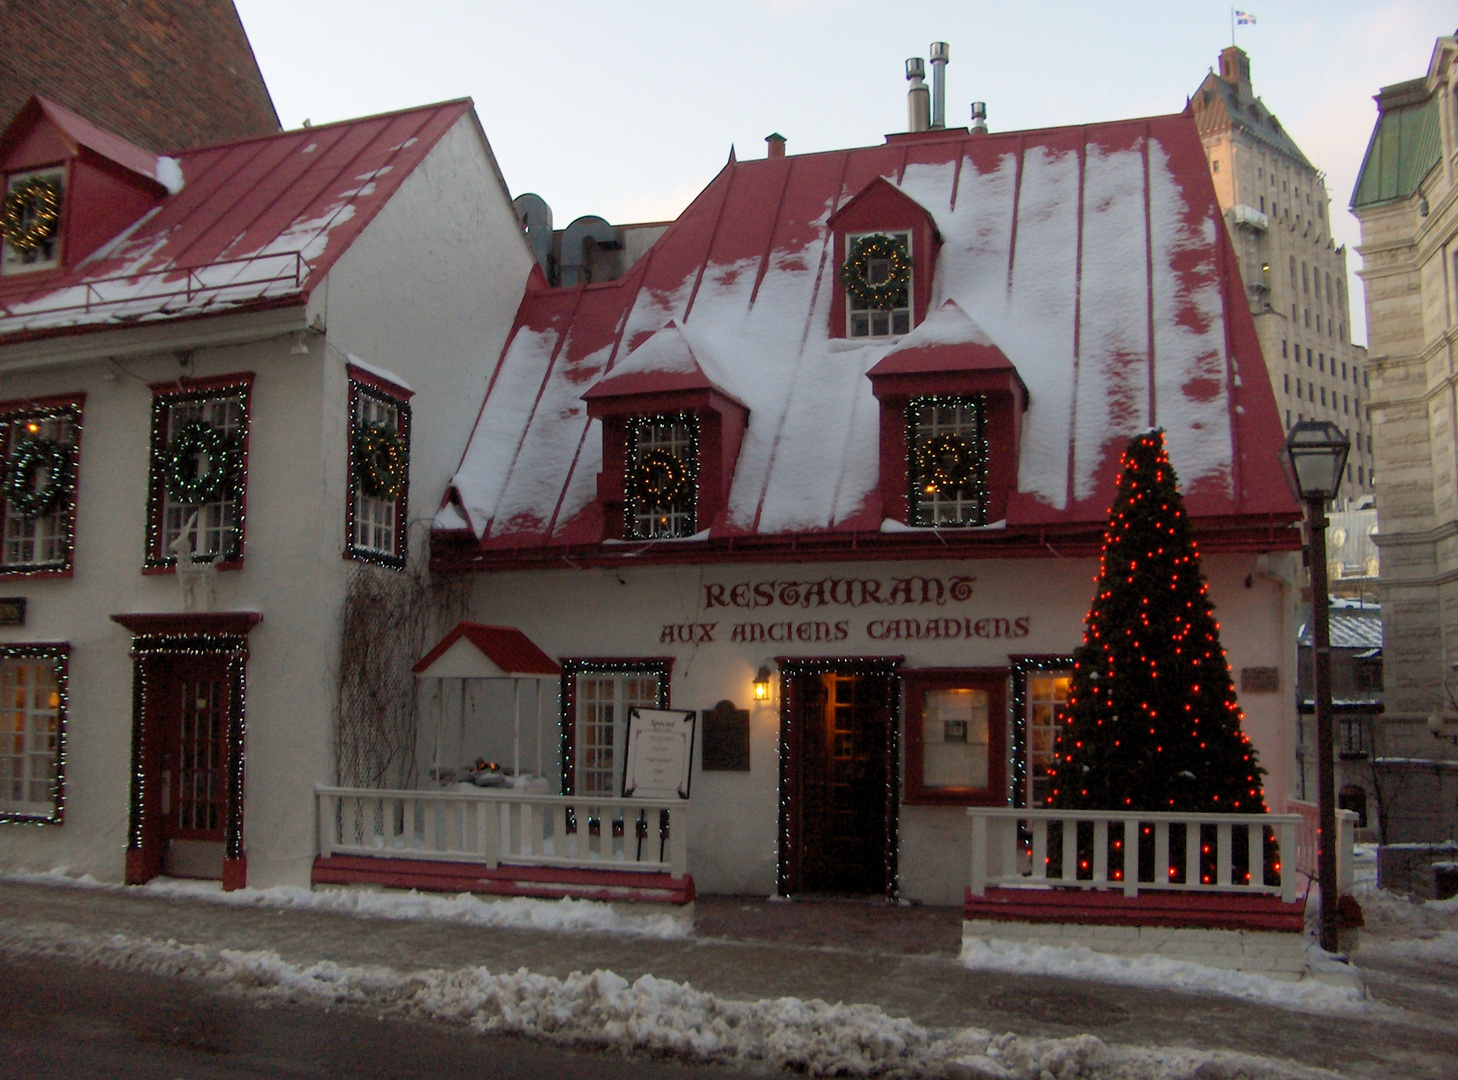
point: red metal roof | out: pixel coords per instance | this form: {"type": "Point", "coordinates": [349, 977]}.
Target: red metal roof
{"type": "Point", "coordinates": [100, 141]}
{"type": "Point", "coordinates": [257, 222]}
{"type": "Point", "coordinates": [505, 646]}
{"type": "Point", "coordinates": [1094, 259]}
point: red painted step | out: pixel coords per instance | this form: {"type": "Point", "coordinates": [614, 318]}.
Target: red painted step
{"type": "Point", "coordinates": [1220, 911]}
{"type": "Point", "coordinates": [542, 882]}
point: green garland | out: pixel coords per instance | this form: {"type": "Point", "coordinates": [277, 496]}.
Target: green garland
{"type": "Point", "coordinates": [31, 213]}
{"type": "Point", "coordinates": [381, 461]}
{"type": "Point", "coordinates": [180, 473]}
{"type": "Point", "coordinates": [855, 274]}
{"type": "Point", "coordinates": [27, 456]}
{"type": "Point", "coordinates": [659, 478]}
{"type": "Point", "coordinates": [946, 462]}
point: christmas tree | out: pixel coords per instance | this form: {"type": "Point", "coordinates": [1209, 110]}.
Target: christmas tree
{"type": "Point", "coordinates": [1152, 721]}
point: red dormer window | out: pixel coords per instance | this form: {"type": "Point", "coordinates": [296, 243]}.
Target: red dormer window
{"type": "Point", "coordinates": [30, 221]}
{"type": "Point", "coordinates": [885, 249]}
{"type": "Point", "coordinates": [662, 477]}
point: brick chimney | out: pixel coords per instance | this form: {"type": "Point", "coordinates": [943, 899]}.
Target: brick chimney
{"type": "Point", "coordinates": [1235, 69]}
{"type": "Point", "coordinates": [776, 145]}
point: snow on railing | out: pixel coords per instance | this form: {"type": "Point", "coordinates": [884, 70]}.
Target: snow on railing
{"type": "Point", "coordinates": [494, 826]}
{"type": "Point", "coordinates": [1087, 849]}
{"type": "Point", "coordinates": [1309, 833]}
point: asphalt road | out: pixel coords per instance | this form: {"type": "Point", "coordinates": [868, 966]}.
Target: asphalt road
{"type": "Point", "coordinates": [62, 1021]}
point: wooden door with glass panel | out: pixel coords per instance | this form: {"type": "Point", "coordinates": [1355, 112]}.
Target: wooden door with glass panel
{"type": "Point", "coordinates": [188, 706]}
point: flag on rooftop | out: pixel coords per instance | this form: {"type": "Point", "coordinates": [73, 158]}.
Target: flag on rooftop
{"type": "Point", "coordinates": [1244, 18]}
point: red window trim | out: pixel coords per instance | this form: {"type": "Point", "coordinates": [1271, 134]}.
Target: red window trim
{"type": "Point", "coordinates": [378, 383]}
{"type": "Point", "coordinates": [25, 278]}
{"type": "Point", "coordinates": [153, 562]}
{"type": "Point", "coordinates": [20, 407]}
{"type": "Point", "coordinates": [917, 683]}
{"type": "Point", "coordinates": [399, 397]}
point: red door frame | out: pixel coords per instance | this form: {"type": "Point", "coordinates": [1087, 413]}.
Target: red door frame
{"type": "Point", "coordinates": [166, 639]}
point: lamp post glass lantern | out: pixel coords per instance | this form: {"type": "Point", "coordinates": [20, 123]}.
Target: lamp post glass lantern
{"type": "Point", "coordinates": [1315, 459]}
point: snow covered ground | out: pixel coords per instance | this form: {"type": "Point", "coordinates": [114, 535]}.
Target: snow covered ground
{"type": "Point", "coordinates": [603, 1010]}
{"type": "Point", "coordinates": [1399, 927]}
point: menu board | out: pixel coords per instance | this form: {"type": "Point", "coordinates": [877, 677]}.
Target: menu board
{"type": "Point", "coordinates": [660, 753]}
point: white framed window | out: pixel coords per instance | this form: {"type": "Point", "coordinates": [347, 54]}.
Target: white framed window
{"type": "Point", "coordinates": [32, 221]}
{"type": "Point", "coordinates": [948, 466]}
{"type": "Point", "coordinates": [40, 442]}
{"type": "Point", "coordinates": [1044, 698]}
{"type": "Point", "coordinates": [32, 731]}
{"type": "Point", "coordinates": [662, 476]}
{"type": "Point", "coordinates": [199, 467]}
{"type": "Point", "coordinates": [600, 696]}
{"type": "Point", "coordinates": [863, 320]}
{"type": "Point", "coordinates": [379, 480]}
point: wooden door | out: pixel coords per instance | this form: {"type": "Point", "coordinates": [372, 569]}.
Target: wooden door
{"type": "Point", "coordinates": [189, 722]}
{"type": "Point", "coordinates": [844, 782]}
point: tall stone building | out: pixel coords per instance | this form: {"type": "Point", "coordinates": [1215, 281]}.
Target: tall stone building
{"type": "Point", "coordinates": [1407, 201]}
{"type": "Point", "coordinates": [1278, 212]}
{"type": "Point", "coordinates": [164, 74]}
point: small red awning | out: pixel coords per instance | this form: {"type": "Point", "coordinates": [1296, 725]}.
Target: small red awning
{"type": "Point", "coordinates": [477, 651]}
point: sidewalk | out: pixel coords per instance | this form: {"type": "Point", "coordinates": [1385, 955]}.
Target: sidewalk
{"type": "Point", "coordinates": [902, 960]}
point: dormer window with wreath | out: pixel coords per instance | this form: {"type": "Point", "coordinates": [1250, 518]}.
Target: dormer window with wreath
{"type": "Point", "coordinates": [41, 442]}
{"type": "Point", "coordinates": [885, 249]}
{"type": "Point", "coordinates": [379, 468]}
{"type": "Point", "coordinates": [948, 459]}
{"type": "Point", "coordinates": [30, 221]}
{"type": "Point", "coordinates": [877, 279]}
{"type": "Point", "coordinates": [670, 439]}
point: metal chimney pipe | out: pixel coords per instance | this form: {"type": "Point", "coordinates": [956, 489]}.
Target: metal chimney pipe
{"type": "Point", "coordinates": [918, 108]}
{"type": "Point", "coordinates": [979, 117]}
{"type": "Point", "coordinates": [940, 54]}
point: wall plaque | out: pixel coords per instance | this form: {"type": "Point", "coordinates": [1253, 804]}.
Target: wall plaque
{"type": "Point", "coordinates": [726, 738]}
{"type": "Point", "coordinates": [12, 611]}
{"type": "Point", "coordinates": [1260, 680]}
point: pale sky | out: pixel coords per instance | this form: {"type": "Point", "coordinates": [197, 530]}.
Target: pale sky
{"type": "Point", "coordinates": [627, 109]}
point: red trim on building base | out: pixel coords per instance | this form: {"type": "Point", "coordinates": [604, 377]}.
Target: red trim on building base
{"type": "Point", "coordinates": [541, 882]}
{"type": "Point", "coordinates": [1210, 910]}
{"type": "Point", "coordinates": [138, 870]}
{"type": "Point", "coordinates": [235, 873]}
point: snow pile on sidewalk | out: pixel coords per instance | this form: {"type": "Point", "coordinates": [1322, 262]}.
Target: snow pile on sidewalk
{"type": "Point", "coordinates": [519, 912]}
{"type": "Point", "coordinates": [655, 1015]}
{"type": "Point", "coordinates": [1081, 962]}
{"type": "Point", "coordinates": [1399, 926]}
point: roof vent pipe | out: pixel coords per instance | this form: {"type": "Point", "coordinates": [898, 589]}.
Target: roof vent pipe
{"type": "Point", "coordinates": [918, 105]}
{"type": "Point", "coordinates": [979, 117]}
{"type": "Point", "coordinates": [940, 53]}
{"type": "Point", "coordinates": [776, 144]}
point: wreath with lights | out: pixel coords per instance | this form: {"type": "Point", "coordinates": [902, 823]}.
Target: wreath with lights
{"type": "Point", "coordinates": [856, 273]}
{"type": "Point", "coordinates": [32, 500]}
{"type": "Point", "coordinates": [659, 478]}
{"type": "Point", "coordinates": [30, 213]}
{"type": "Point", "coordinates": [381, 461]}
{"type": "Point", "coordinates": [184, 481]}
{"type": "Point", "coordinates": [946, 462]}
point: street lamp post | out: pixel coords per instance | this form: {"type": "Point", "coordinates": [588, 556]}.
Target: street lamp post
{"type": "Point", "coordinates": [1315, 457]}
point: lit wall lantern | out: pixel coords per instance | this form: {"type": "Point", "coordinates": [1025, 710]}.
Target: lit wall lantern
{"type": "Point", "coordinates": [762, 684]}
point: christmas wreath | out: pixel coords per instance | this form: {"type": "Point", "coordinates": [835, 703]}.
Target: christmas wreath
{"type": "Point", "coordinates": [659, 478]}
{"type": "Point", "coordinates": [380, 460]}
{"type": "Point", "coordinates": [30, 213]}
{"type": "Point", "coordinates": [28, 456]}
{"type": "Point", "coordinates": [182, 477]}
{"type": "Point", "coordinates": [856, 273]}
{"type": "Point", "coordinates": [946, 462]}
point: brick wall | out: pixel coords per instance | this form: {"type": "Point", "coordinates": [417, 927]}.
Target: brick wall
{"type": "Point", "coordinates": [166, 74]}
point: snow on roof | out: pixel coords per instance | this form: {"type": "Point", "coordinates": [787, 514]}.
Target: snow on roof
{"type": "Point", "coordinates": [1093, 258]}
{"type": "Point", "coordinates": [258, 221]}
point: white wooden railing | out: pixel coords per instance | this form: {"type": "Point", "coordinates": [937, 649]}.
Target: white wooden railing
{"type": "Point", "coordinates": [1308, 838]}
{"type": "Point", "coordinates": [1087, 849]}
{"type": "Point", "coordinates": [493, 827]}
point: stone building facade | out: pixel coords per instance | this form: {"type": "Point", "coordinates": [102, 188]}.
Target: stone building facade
{"type": "Point", "coordinates": [1407, 201]}
{"type": "Point", "coordinates": [1277, 209]}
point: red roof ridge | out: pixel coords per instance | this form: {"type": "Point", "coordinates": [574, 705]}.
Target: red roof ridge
{"type": "Point", "coordinates": [97, 139]}
{"type": "Point", "coordinates": [505, 646]}
{"type": "Point", "coordinates": [189, 151]}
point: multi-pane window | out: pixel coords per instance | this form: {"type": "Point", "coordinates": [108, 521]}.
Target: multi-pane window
{"type": "Point", "coordinates": [1045, 696]}
{"type": "Point", "coordinates": [31, 233]}
{"type": "Point", "coordinates": [379, 475]}
{"type": "Point", "coordinates": [662, 476]}
{"type": "Point", "coordinates": [32, 725]}
{"type": "Point", "coordinates": [889, 314]}
{"type": "Point", "coordinates": [602, 700]}
{"type": "Point", "coordinates": [199, 472]}
{"type": "Point", "coordinates": [40, 443]}
{"type": "Point", "coordinates": [948, 460]}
